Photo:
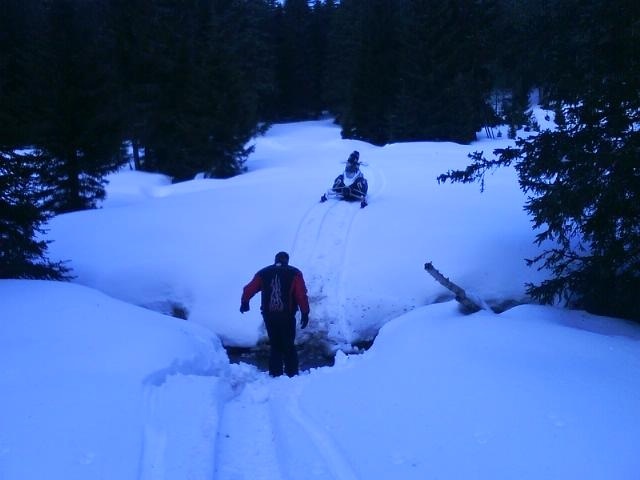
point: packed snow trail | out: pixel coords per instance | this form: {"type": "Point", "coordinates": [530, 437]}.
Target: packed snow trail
{"type": "Point", "coordinates": [321, 248]}
{"type": "Point", "coordinates": [265, 434]}
{"type": "Point", "coordinates": [264, 430]}
{"type": "Point", "coordinates": [179, 446]}
{"type": "Point", "coordinates": [246, 445]}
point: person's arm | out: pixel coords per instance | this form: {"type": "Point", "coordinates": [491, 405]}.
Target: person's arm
{"type": "Point", "coordinates": [300, 293]}
{"type": "Point", "coordinates": [300, 296]}
{"type": "Point", "coordinates": [249, 290]}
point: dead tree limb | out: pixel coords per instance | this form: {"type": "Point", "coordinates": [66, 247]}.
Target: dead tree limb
{"type": "Point", "coordinates": [467, 303]}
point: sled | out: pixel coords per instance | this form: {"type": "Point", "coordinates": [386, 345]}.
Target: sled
{"type": "Point", "coordinates": [351, 185]}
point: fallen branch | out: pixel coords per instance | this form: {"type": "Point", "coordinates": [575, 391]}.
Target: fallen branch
{"type": "Point", "coordinates": [469, 305]}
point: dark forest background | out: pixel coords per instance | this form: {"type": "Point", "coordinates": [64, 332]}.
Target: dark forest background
{"type": "Point", "coordinates": [182, 86]}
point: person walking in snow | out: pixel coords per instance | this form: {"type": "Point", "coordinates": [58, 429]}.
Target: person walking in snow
{"type": "Point", "coordinates": [283, 291]}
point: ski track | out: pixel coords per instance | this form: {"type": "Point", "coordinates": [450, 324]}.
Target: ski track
{"type": "Point", "coordinates": [264, 432]}
{"type": "Point", "coordinates": [179, 449]}
{"type": "Point", "coordinates": [335, 464]}
{"type": "Point", "coordinates": [320, 248]}
{"type": "Point", "coordinates": [154, 439]}
{"type": "Point", "coordinates": [265, 435]}
{"type": "Point", "coordinates": [246, 445]}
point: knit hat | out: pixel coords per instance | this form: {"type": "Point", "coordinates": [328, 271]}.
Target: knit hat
{"type": "Point", "coordinates": [282, 258]}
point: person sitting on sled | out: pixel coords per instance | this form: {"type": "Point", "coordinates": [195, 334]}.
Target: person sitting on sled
{"type": "Point", "coordinates": [351, 184]}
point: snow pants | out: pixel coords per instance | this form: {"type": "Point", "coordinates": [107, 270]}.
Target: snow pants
{"type": "Point", "coordinates": [283, 356]}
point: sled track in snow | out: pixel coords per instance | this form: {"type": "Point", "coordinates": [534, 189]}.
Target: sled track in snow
{"type": "Point", "coordinates": [154, 437]}
{"type": "Point", "coordinates": [266, 435]}
{"type": "Point", "coordinates": [334, 462]}
{"type": "Point", "coordinates": [320, 247]}
{"type": "Point", "coordinates": [247, 446]}
{"type": "Point", "coordinates": [265, 432]}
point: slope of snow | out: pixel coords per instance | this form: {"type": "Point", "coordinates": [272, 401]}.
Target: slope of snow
{"type": "Point", "coordinates": [95, 387]}
{"type": "Point", "coordinates": [195, 244]}
{"type": "Point", "coordinates": [91, 386]}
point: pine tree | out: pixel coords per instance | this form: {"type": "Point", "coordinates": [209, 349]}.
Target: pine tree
{"type": "Point", "coordinates": [521, 46]}
{"type": "Point", "coordinates": [295, 75]}
{"type": "Point", "coordinates": [411, 69]}
{"type": "Point", "coordinates": [219, 116]}
{"type": "Point", "coordinates": [322, 15]}
{"type": "Point", "coordinates": [74, 115]}
{"type": "Point", "coordinates": [22, 194]}
{"type": "Point", "coordinates": [444, 81]}
{"type": "Point", "coordinates": [342, 52]}
{"type": "Point", "coordinates": [247, 65]}
{"type": "Point", "coordinates": [252, 25]}
{"type": "Point", "coordinates": [22, 216]}
{"type": "Point", "coordinates": [364, 79]}
{"type": "Point", "coordinates": [206, 63]}
{"type": "Point", "coordinates": [17, 18]}
{"type": "Point", "coordinates": [583, 179]}
{"type": "Point", "coordinates": [137, 85]}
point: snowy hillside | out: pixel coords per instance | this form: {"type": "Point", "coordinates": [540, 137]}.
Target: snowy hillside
{"type": "Point", "coordinates": [96, 387]}
{"type": "Point", "coordinates": [195, 244]}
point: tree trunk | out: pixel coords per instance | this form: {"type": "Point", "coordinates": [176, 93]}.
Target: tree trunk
{"type": "Point", "coordinates": [136, 154]}
{"type": "Point", "coordinates": [469, 305]}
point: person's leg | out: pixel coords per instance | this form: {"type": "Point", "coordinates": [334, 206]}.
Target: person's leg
{"type": "Point", "coordinates": [289, 351]}
{"type": "Point", "coordinates": [275, 362]}
{"type": "Point", "coordinates": [275, 345]}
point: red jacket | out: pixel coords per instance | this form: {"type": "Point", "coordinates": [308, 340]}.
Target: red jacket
{"type": "Point", "coordinates": [283, 289]}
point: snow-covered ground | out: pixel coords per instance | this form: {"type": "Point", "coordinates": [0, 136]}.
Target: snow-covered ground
{"type": "Point", "coordinates": [96, 387]}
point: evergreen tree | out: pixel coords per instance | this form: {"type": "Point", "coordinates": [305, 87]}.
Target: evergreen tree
{"type": "Point", "coordinates": [366, 76]}
{"type": "Point", "coordinates": [583, 179]}
{"type": "Point", "coordinates": [444, 83]}
{"type": "Point", "coordinates": [162, 64]}
{"type": "Point", "coordinates": [205, 64]}
{"type": "Point", "coordinates": [521, 48]}
{"type": "Point", "coordinates": [322, 15]}
{"type": "Point", "coordinates": [22, 194]}
{"type": "Point", "coordinates": [73, 116]}
{"type": "Point", "coordinates": [248, 63]}
{"type": "Point", "coordinates": [22, 254]}
{"type": "Point", "coordinates": [220, 113]}
{"type": "Point", "coordinates": [295, 74]}
{"type": "Point", "coordinates": [342, 51]}
{"type": "Point", "coordinates": [137, 88]}
{"type": "Point", "coordinates": [325, 16]}
{"type": "Point", "coordinates": [14, 70]}
{"type": "Point", "coordinates": [252, 25]}
{"type": "Point", "coordinates": [411, 69]}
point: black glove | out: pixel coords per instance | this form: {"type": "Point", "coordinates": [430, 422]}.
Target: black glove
{"type": "Point", "coordinates": [304, 320]}
{"type": "Point", "coordinates": [244, 307]}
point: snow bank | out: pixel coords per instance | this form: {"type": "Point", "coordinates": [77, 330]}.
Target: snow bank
{"type": "Point", "coordinates": [526, 394]}
{"type": "Point", "coordinates": [91, 386]}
